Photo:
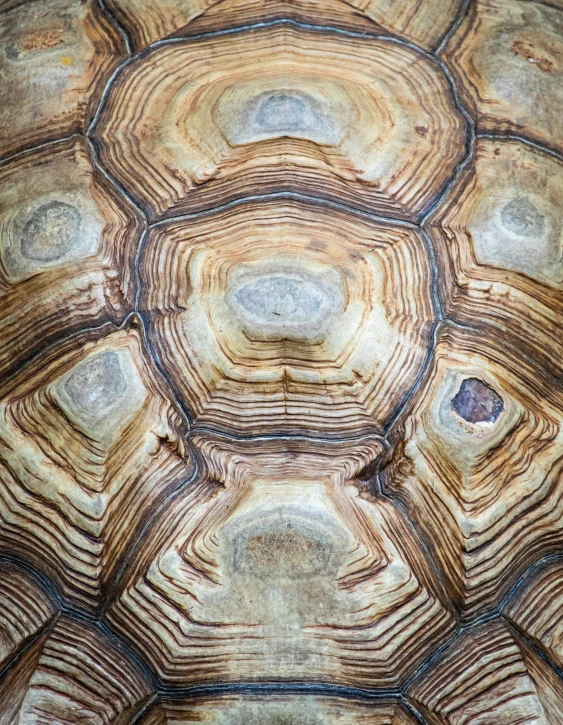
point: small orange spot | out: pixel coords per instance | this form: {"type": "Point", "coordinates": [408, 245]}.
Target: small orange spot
{"type": "Point", "coordinates": [66, 60]}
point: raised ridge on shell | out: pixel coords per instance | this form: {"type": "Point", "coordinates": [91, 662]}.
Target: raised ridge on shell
{"type": "Point", "coordinates": [88, 447]}
{"type": "Point", "coordinates": [498, 240]}
{"type": "Point", "coordinates": [274, 317]}
{"type": "Point", "coordinates": [277, 574]}
{"type": "Point", "coordinates": [535, 608]}
{"type": "Point", "coordinates": [25, 609]}
{"type": "Point", "coordinates": [361, 121]}
{"type": "Point", "coordinates": [423, 22]}
{"type": "Point", "coordinates": [479, 466]}
{"type": "Point", "coordinates": [67, 248]}
{"type": "Point", "coordinates": [484, 677]}
{"type": "Point", "coordinates": [73, 673]}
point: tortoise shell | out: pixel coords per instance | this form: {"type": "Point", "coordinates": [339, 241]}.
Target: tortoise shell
{"type": "Point", "coordinates": [281, 363]}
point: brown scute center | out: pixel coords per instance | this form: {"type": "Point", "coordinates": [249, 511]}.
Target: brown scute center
{"type": "Point", "coordinates": [476, 402]}
{"type": "Point", "coordinates": [50, 231]}
{"type": "Point", "coordinates": [97, 384]}
{"type": "Point", "coordinates": [37, 40]}
{"type": "Point", "coordinates": [265, 713]}
{"type": "Point", "coordinates": [533, 55]}
{"type": "Point", "coordinates": [283, 553]}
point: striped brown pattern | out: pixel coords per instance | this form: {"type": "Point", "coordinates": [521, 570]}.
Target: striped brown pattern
{"type": "Point", "coordinates": [281, 400]}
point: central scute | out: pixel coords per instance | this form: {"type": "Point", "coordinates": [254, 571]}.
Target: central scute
{"type": "Point", "coordinates": [284, 111]}
{"type": "Point", "coordinates": [286, 305]}
{"type": "Point", "coordinates": [289, 299]}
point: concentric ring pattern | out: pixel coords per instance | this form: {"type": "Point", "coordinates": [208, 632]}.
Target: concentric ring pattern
{"type": "Point", "coordinates": [281, 393]}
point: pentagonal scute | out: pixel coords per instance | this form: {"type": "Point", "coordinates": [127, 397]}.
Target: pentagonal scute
{"type": "Point", "coordinates": [499, 240]}
{"type": "Point", "coordinates": [67, 250]}
{"type": "Point", "coordinates": [280, 316]}
{"type": "Point", "coordinates": [362, 121]}
{"type": "Point", "coordinates": [507, 56]}
{"type": "Point", "coordinates": [282, 572]}
{"type": "Point", "coordinates": [479, 463]}
{"type": "Point", "coordinates": [55, 59]}
{"type": "Point", "coordinates": [423, 23]}
{"type": "Point", "coordinates": [89, 447]}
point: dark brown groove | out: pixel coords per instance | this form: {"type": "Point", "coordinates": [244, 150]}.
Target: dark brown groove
{"type": "Point", "coordinates": [528, 574]}
{"type": "Point", "coordinates": [274, 687]}
{"type": "Point", "coordinates": [117, 25]}
{"type": "Point", "coordinates": [184, 411]}
{"type": "Point", "coordinates": [421, 541]}
{"type": "Point", "coordinates": [499, 136]}
{"type": "Point", "coordinates": [16, 656]}
{"type": "Point", "coordinates": [547, 4]}
{"type": "Point", "coordinates": [419, 382]}
{"type": "Point", "coordinates": [312, 199]}
{"type": "Point", "coordinates": [436, 656]}
{"type": "Point", "coordinates": [14, 562]}
{"type": "Point", "coordinates": [453, 28]}
{"type": "Point", "coordinates": [111, 180]}
{"type": "Point", "coordinates": [137, 718]}
{"type": "Point", "coordinates": [414, 711]}
{"type": "Point", "coordinates": [109, 597]}
{"type": "Point", "coordinates": [128, 650]}
{"type": "Point", "coordinates": [30, 150]}
{"type": "Point", "coordinates": [519, 635]}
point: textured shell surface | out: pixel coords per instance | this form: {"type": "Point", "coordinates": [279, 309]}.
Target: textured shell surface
{"type": "Point", "coordinates": [281, 362]}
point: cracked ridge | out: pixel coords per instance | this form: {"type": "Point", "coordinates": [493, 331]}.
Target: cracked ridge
{"type": "Point", "coordinates": [430, 56]}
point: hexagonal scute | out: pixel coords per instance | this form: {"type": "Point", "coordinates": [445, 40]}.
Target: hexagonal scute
{"type": "Point", "coordinates": [498, 238]}
{"type": "Point", "coordinates": [535, 608]}
{"type": "Point", "coordinates": [362, 121]}
{"type": "Point", "coordinates": [287, 317]}
{"type": "Point", "coordinates": [73, 673]}
{"type": "Point", "coordinates": [423, 22]}
{"type": "Point", "coordinates": [487, 677]}
{"type": "Point", "coordinates": [277, 709]}
{"type": "Point", "coordinates": [67, 248]}
{"type": "Point", "coordinates": [479, 464]}
{"type": "Point", "coordinates": [26, 607]}
{"type": "Point", "coordinates": [55, 57]}
{"type": "Point", "coordinates": [282, 571]}
{"type": "Point", "coordinates": [88, 447]}
{"type": "Point", "coordinates": [507, 56]}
